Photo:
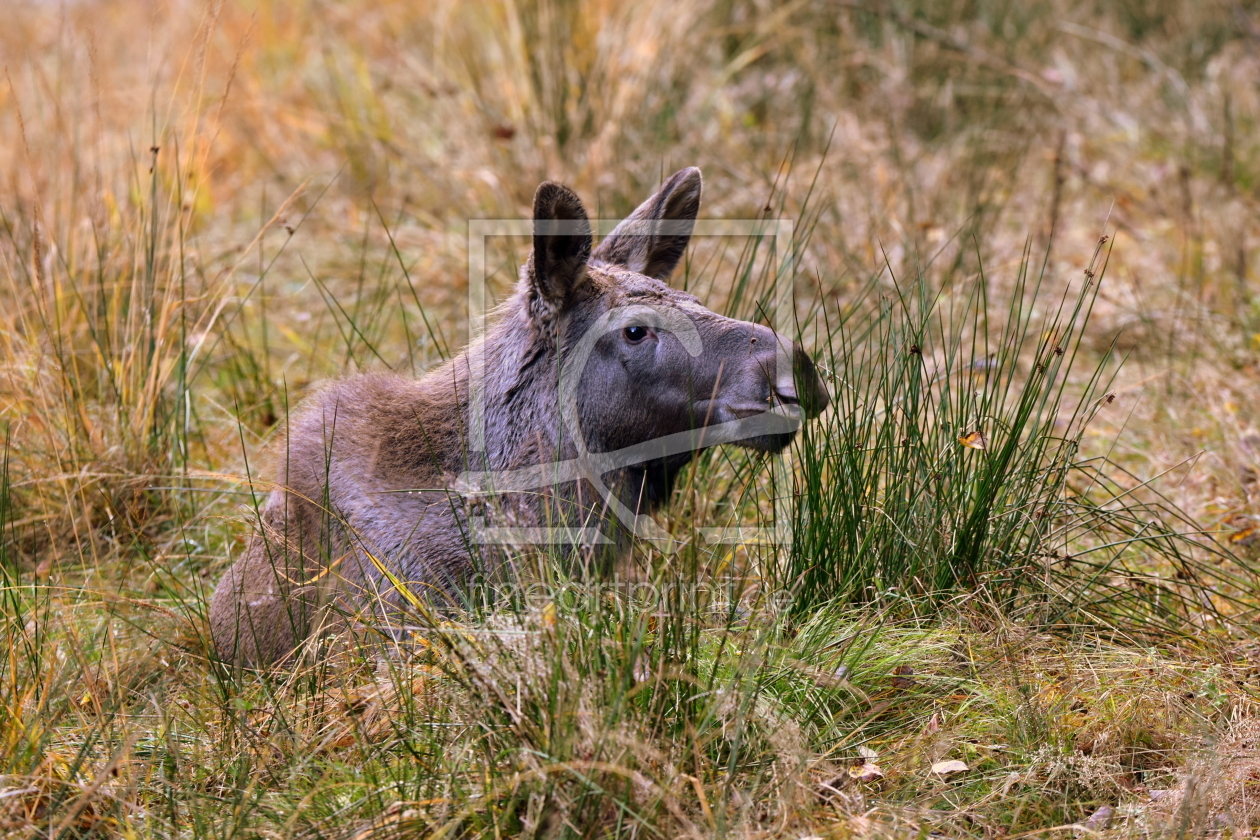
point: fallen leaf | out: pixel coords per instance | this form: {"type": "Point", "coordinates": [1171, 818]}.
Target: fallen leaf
{"type": "Point", "coordinates": [944, 768]}
{"type": "Point", "coordinates": [1100, 819]}
{"type": "Point", "coordinates": [878, 708]}
{"type": "Point", "coordinates": [1246, 536]}
{"type": "Point", "coordinates": [865, 772]}
{"type": "Point", "coordinates": [974, 440]}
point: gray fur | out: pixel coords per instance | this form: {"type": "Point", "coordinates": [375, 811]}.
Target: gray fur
{"type": "Point", "coordinates": [365, 473]}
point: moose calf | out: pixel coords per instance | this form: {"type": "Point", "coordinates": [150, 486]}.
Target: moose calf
{"type": "Point", "coordinates": [595, 387]}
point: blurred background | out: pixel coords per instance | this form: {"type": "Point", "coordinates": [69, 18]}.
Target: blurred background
{"type": "Point", "coordinates": [208, 207]}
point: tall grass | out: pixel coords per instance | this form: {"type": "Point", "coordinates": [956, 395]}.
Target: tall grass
{"type": "Point", "coordinates": [956, 461]}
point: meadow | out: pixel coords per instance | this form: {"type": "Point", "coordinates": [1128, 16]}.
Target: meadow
{"type": "Point", "coordinates": [1021, 594]}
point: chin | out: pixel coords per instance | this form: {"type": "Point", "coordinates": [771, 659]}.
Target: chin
{"type": "Point", "coordinates": [772, 444]}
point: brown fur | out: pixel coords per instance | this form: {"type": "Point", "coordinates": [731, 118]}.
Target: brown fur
{"type": "Point", "coordinates": [367, 470]}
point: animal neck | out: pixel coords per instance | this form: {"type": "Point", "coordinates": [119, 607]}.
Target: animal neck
{"type": "Point", "coordinates": [647, 487]}
{"type": "Point", "coordinates": [514, 373]}
{"type": "Point", "coordinates": [524, 428]}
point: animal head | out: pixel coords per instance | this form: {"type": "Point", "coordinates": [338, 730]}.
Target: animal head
{"type": "Point", "coordinates": [641, 361]}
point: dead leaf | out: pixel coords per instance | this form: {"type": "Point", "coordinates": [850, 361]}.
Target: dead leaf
{"type": "Point", "coordinates": [1246, 536]}
{"type": "Point", "coordinates": [903, 677]}
{"type": "Point", "coordinates": [1100, 819]}
{"type": "Point", "coordinates": [945, 768]}
{"type": "Point", "coordinates": [974, 440]}
{"type": "Point", "coordinates": [878, 708]}
{"type": "Point", "coordinates": [865, 772]}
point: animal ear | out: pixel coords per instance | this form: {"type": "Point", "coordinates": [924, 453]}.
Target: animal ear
{"type": "Point", "coordinates": [562, 247]}
{"type": "Point", "coordinates": [651, 240]}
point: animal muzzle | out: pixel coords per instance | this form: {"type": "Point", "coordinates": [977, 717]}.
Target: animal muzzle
{"type": "Point", "coordinates": [801, 385]}
{"type": "Point", "coordinates": [786, 382]}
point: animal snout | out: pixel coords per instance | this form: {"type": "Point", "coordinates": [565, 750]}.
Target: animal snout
{"type": "Point", "coordinates": [801, 385]}
{"type": "Point", "coordinates": [809, 390]}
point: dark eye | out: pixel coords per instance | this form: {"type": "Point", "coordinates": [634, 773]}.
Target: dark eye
{"type": "Point", "coordinates": [635, 334]}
